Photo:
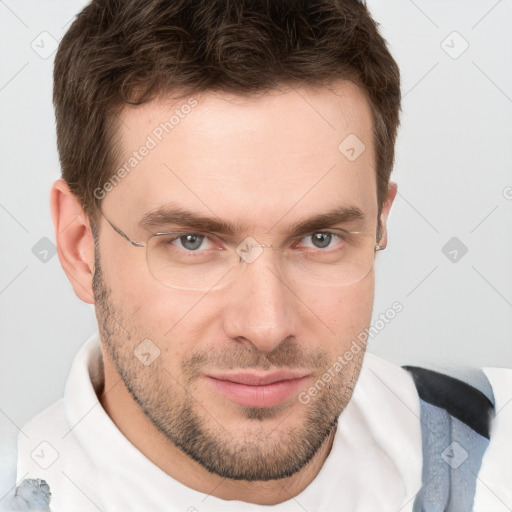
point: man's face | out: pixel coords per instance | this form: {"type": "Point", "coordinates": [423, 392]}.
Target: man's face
{"type": "Point", "coordinates": [262, 164]}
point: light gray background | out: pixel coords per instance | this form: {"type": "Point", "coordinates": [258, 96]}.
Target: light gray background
{"type": "Point", "coordinates": [453, 167]}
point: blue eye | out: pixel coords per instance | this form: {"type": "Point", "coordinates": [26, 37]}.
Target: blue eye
{"type": "Point", "coordinates": [191, 241]}
{"type": "Point", "coordinates": [321, 240]}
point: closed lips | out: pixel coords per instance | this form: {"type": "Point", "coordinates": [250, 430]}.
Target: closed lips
{"type": "Point", "coordinates": [259, 390]}
{"type": "Point", "coordinates": [253, 379]}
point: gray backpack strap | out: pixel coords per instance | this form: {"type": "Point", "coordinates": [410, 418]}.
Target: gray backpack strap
{"type": "Point", "coordinates": [455, 421]}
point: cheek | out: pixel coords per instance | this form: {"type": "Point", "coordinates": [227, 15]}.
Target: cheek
{"type": "Point", "coordinates": [143, 300]}
{"type": "Point", "coordinates": [347, 311]}
{"type": "Point", "coordinates": [357, 301]}
{"type": "Point", "coordinates": [175, 320]}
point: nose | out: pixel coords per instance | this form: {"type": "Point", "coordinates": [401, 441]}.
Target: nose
{"type": "Point", "coordinates": [263, 309]}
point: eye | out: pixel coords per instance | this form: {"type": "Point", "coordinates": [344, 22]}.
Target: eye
{"type": "Point", "coordinates": [191, 241]}
{"type": "Point", "coordinates": [322, 239]}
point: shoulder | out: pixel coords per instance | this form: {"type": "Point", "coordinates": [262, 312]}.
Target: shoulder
{"type": "Point", "coordinates": [494, 488]}
{"type": "Point", "coordinates": [466, 395]}
{"type": "Point", "coordinates": [383, 382]}
{"type": "Point", "coordinates": [386, 387]}
{"type": "Point", "coordinates": [26, 454]}
{"type": "Point", "coordinates": [40, 440]}
{"type": "Point", "coordinates": [466, 418]}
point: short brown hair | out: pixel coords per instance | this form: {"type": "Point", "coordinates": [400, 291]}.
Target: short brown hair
{"type": "Point", "coordinates": [131, 51]}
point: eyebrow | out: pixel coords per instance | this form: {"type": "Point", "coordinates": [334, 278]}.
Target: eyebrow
{"type": "Point", "coordinates": [183, 218]}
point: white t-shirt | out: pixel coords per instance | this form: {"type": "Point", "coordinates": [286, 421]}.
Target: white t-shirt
{"type": "Point", "coordinates": [375, 462]}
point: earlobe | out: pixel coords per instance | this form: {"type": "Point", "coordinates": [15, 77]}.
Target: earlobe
{"type": "Point", "coordinates": [75, 243]}
{"type": "Point", "coordinates": [383, 219]}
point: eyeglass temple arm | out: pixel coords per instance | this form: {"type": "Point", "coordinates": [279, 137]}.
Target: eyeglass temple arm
{"type": "Point", "coordinates": [124, 235]}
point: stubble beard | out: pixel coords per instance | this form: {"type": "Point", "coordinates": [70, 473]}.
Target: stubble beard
{"type": "Point", "coordinates": [260, 455]}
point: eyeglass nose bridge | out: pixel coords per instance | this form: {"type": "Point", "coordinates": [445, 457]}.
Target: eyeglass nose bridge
{"type": "Point", "coordinates": [245, 252]}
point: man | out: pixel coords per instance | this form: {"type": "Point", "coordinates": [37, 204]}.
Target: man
{"type": "Point", "coordinates": [225, 191]}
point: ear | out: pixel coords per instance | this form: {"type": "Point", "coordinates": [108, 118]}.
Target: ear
{"type": "Point", "coordinates": [75, 243]}
{"type": "Point", "coordinates": [383, 218]}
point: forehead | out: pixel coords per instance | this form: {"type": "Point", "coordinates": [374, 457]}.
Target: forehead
{"type": "Point", "coordinates": [288, 152]}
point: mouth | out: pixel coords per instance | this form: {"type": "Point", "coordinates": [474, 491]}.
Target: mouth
{"type": "Point", "coordinates": [253, 389]}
